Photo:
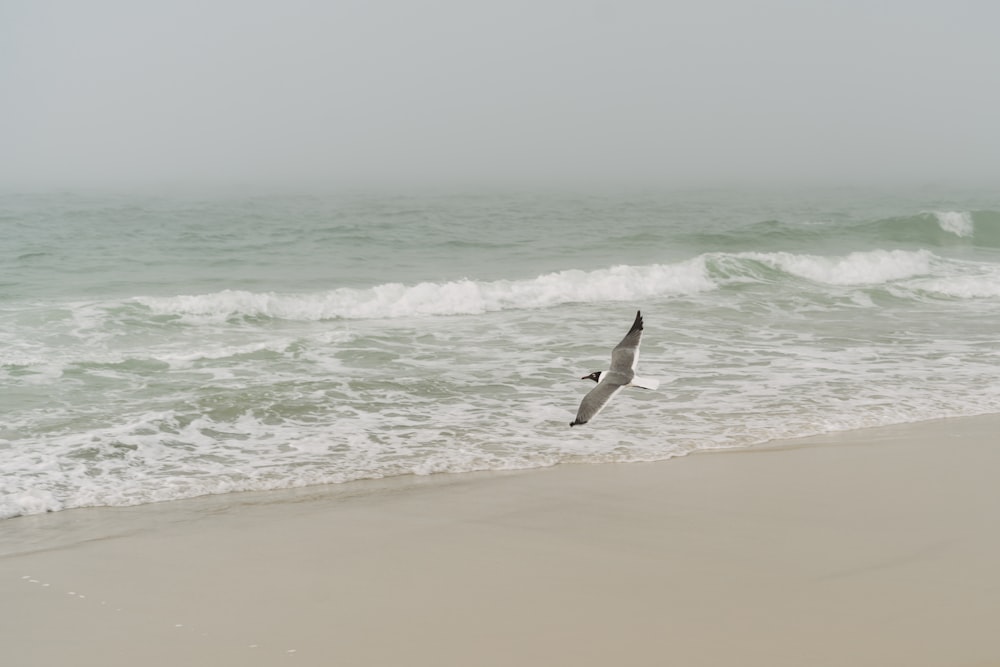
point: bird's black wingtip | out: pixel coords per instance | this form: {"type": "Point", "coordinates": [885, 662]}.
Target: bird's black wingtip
{"type": "Point", "coordinates": [575, 423]}
{"type": "Point", "coordinates": [637, 325]}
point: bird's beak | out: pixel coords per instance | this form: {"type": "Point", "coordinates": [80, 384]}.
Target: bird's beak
{"type": "Point", "coordinates": [585, 377]}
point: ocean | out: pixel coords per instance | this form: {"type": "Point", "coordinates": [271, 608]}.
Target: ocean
{"type": "Point", "coordinates": [163, 347]}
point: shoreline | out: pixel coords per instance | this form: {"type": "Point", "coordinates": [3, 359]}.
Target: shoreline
{"type": "Point", "coordinates": [394, 483]}
{"type": "Point", "coordinates": [866, 547]}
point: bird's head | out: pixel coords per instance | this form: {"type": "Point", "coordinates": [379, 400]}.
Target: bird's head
{"type": "Point", "coordinates": [595, 376]}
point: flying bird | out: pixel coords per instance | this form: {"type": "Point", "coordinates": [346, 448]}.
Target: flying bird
{"type": "Point", "coordinates": [624, 359]}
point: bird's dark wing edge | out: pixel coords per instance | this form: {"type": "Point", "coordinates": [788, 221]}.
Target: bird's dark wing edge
{"type": "Point", "coordinates": [594, 401]}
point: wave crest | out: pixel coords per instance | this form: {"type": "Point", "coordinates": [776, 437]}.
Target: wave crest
{"type": "Point", "coordinates": [958, 223]}
{"type": "Point", "coordinates": [858, 268]}
{"type": "Point", "coordinates": [394, 300]}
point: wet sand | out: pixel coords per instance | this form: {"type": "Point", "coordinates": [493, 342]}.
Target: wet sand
{"type": "Point", "coordinates": [877, 547]}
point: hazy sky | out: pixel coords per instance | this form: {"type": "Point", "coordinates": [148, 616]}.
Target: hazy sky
{"type": "Point", "coordinates": [289, 92]}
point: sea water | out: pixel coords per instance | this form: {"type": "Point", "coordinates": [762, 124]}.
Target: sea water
{"type": "Point", "coordinates": [162, 347]}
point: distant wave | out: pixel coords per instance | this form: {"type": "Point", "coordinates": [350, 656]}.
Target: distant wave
{"type": "Point", "coordinates": [704, 273]}
{"type": "Point", "coordinates": [933, 229]}
{"type": "Point", "coordinates": [940, 228]}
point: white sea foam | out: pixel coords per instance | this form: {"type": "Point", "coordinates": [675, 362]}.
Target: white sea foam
{"type": "Point", "coordinates": [501, 405]}
{"type": "Point", "coordinates": [959, 223]}
{"type": "Point", "coordinates": [963, 287]}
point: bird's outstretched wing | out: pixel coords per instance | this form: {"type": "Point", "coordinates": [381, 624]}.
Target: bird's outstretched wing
{"type": "Point", "coordinates": [595, 400]}
{"type": "Point", "coordinates": [625, 356]}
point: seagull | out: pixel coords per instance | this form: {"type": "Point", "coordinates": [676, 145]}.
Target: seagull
{"type": "Point", "coordinates": [624, 358]}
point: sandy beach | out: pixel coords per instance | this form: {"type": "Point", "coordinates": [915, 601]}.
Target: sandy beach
{"type": "Point", "coordinates": [877, 547]}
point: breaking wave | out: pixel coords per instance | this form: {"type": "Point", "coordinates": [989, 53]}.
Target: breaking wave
{"type": "Point", "coordinates": [619, 283]}
{"type": "Point", "coordinates": [396, 300]}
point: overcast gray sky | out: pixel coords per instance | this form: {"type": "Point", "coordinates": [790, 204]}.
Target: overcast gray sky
{"type": "Point", "coordinates": [130, 93]}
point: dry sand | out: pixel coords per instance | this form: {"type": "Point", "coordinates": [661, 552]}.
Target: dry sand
{"type": "Point", "coordinates": [878, 547]}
